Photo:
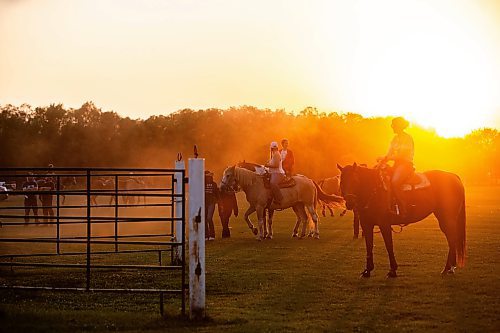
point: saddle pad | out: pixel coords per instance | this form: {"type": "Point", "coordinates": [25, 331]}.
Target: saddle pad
{"type": "Point", "coordinates": [422, 182]}
{"type": "Point", "coordinates": [287, 182]}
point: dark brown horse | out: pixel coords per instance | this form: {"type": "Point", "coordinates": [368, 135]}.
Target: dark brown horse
{"type": "Point", "coordinates": [363, 188]}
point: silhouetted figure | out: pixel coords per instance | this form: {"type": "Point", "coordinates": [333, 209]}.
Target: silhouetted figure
{"type": "Point", "coordinates": [401, 152]}
{"type": "Point", "coordinates": [211, 198]}
{"type": "Point", "coordinates": [227, 205]}
{"type": "Point", "coordinates": [46, 199]}
{"type": "Point", "coordinates": [30, 203]}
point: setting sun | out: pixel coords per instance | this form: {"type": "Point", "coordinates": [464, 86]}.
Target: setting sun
{"type": "Point", "coordinates": [432, 62]}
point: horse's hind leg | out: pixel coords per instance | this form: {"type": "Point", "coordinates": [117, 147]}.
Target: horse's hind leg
{"type": "Point", "coordinates": [451, 260]}
{"type": "Point", "coordinates": [315, 219]}
{"type": "Point", "coordinates": [270, 223]}
{"type": "Point", "coordinates": [299, 212]}
{"type": "Point", "coordinates": [386, 232]}
{"type": "Point", "coordinates": [261, 216]}
{"type": "Point", "coordinates": [305, 221]}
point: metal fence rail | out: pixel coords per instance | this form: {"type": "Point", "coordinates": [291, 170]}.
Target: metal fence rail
{"type": "Point", "coordinates": [121, 187]}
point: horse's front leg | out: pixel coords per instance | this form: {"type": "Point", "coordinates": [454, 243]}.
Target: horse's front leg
{"type": "Point", "coordinates": [270, 223]}
{"type": "Point", "coordinates": [369, 251]}
{"type": "Point", "coordinates": [250, 211]}
{"type": "Point", "coordinates": [264, 224]}
{"type": "Point", "coordinates": [386, 232]}
{"type": "Point", "coordinates": [261, 216]}
{"type": "Point", "coordinates": [355, 224]}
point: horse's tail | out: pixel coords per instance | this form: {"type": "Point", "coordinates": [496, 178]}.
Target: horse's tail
{"type": "Point", "coordinates": [328, 199]}
{"type": "Point", "coordinates": [461, 250]}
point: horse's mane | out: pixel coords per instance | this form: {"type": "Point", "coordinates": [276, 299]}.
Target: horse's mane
{"type": "Point", "coordinates": [254, 167]}
{"type": "Point", "coordinates": [246, 164]}
{"type": "Point", "coordinates": [245, 177]}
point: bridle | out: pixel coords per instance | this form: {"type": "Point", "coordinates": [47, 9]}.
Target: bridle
{"type": "Point", "coordinates": [233, 188]}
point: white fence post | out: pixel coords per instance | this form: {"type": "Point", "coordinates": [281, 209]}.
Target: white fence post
{"type": "Point", "coordinates": [179, 165]}
{"type": "Point", "coordinates": [196, 238]}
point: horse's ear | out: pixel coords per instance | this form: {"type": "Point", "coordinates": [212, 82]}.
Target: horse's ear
{"type": "Point", "coordinates": [339, 167]}
{"type": "Point", "coordinates": [355, 165]}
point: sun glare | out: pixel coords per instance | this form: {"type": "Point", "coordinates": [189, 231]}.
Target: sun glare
{"type": "Point", "coordinates": [432, 65]}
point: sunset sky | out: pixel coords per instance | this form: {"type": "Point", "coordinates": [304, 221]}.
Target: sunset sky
{"type": "Point", "coordinates": [437, 62]}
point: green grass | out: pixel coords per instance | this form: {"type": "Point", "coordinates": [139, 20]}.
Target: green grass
{"type": "Point", "coordinates": [294, 285]}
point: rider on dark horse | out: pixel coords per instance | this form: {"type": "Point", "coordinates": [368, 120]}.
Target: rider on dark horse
{"type": "Point", "coordinates": [401, 152]}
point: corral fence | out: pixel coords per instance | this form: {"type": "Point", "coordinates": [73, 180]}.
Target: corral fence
{"type": "Point", "coordinates": [89, 221]}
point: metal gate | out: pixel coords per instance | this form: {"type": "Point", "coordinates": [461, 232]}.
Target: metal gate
{"type": "Point", "coordinates": [91, 219]}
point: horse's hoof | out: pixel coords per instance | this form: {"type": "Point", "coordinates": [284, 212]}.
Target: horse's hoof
{"type": "Point", "coordinates": [295, 235]}
{"type": "Point", "coordinates": [449, 271]}
{"type": "Point", "coordinates": [392, 274]}
{"type": "Point", "coordinates": [316, 236]}
{"type": "Point", "coordinates": [302, 236]}
{"type": "Point", "coordinates": [269, 236]}
{"type": "Point", "coordinates": [365, 274]}
{"type": "Point", "coordinates": [255, 231]}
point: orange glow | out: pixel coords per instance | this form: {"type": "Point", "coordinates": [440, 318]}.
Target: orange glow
{"type": "Point", "coordinates": [437, 62]}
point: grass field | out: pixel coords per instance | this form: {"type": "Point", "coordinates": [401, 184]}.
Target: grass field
{"type": "Point", "coordinates": [290, 285]}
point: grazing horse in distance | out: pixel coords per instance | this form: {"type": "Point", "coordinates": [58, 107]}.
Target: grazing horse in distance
{"type": "Point", "coordinates": [132, 184]}
{"type": "Point", "coordinates": [105, 184]}
{"type": "Point", "coordinates": [443, 195]}
{"type": "Point", "coordinates": [331, 185]}
{"type": "Point", "coordinates": [66, 183]}
{"type": "Point", "coordinates": [303, 195]}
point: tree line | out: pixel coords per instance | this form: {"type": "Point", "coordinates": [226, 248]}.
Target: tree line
{"type": "Point", "coordinates": [91, 137]}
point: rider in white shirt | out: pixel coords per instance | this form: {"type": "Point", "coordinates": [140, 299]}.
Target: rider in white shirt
{"type": "Point", "coordinates": [277, 173]}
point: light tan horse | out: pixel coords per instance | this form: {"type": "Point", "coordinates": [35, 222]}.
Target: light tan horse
{"type": "Point", "coordinates": [301, 197]}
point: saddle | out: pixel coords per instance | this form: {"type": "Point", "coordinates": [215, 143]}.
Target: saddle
{"type": "Point", "coordinates": [416, 181]}
{"type": "Point", "coordinates": [285, 183]}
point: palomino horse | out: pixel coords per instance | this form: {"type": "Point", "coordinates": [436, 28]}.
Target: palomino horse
{"type": "Point", "coordinates": [304, 195]}
{"type": "Point", "coordinates": [262, 170]}
{"type": "Point", "coordinates": [363, 188]}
